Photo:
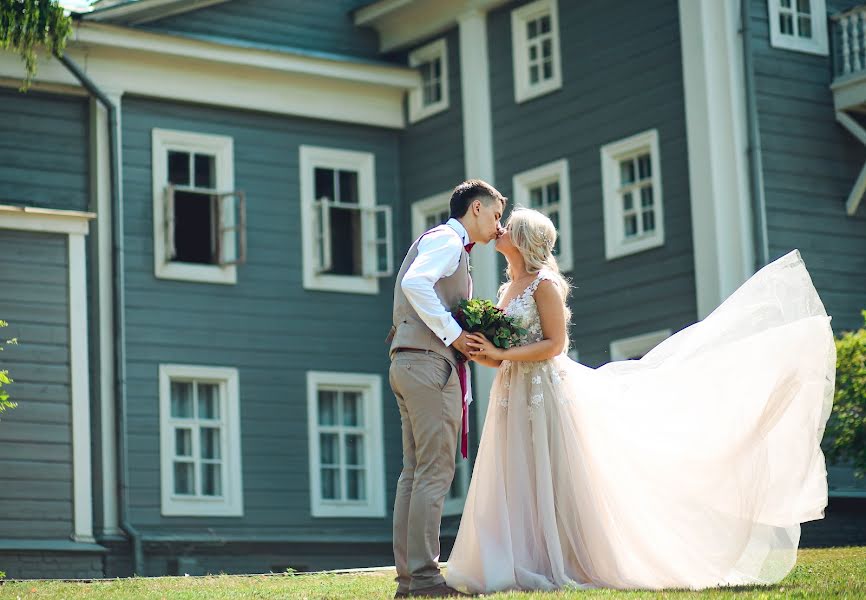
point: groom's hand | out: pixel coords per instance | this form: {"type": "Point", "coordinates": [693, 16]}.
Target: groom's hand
{"type": "Point", "coordinates": [461, 344]}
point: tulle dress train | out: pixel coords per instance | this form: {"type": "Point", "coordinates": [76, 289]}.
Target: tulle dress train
{"type": "Point", "coordinates": [689, 468]}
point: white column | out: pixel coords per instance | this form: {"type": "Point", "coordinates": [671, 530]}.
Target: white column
{"type": "Point", "coordinates": [478, 162]}
{"type": "Point", "coordinates": [100, 157]}
{"type": "Point", "coordinates": [79, 383]}
{"type": "Point", "coordinates": [716, 129]}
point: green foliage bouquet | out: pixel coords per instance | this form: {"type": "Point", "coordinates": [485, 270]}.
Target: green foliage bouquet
{"type": "Point", "coordinates": [482, 316]}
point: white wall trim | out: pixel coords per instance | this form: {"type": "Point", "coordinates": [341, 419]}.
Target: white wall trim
{"type": "Point", "coordinates": [79, 372]}
{"type": "Point", "coordinates": [817, 44]}
{"type": "Point", "coordinates": [333, 158]}
{"type": "Point", "coordinates": [478, 163]}
{"type": "Point", "coordinates": [523, 89]}
{"type": "Point", "coordinates": [855, 196]}
{"type": "Point", "coordinates": [371, 387]}
{"type": "Point", "coordinates": [615, 242]}
{"type": "Point", "coordinates": [45, 220]}
{"type": "Point", "coordinates": [206, 81]}
{"type": "Point", "coordinates": [624, 348]}
{"type": "Point", "coordinates": [231, 504]}
{"type": "Point", "coordinates": [553, 171]}
{"type": "Point", "coordinates": [222, 147]}
{"type": "Point", "coordinates": [425, 54]}
{"type": "Point", "coordinates": [422, 208]}
{"type": "Point", "coordinates": [716, 135]}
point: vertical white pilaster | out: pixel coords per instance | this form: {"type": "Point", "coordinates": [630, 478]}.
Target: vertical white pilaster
{"type": "Point", "coordinates": [82, 487]}
{"type": "Point", "coordinates": [478, 162]}
{"type": "Point", "coordinates": [716, 128]}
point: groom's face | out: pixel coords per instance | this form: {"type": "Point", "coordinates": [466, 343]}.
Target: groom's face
{"type": "Point", "coordinates": [488, 217]}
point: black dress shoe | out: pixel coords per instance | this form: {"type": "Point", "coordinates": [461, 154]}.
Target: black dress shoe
{"type": "Point", "coordinates": [399, 594]}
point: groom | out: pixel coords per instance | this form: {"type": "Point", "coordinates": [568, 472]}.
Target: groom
{"type": "Point", "coordinates": [429, 382]}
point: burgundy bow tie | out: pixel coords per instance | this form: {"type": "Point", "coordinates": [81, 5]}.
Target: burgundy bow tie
{"type": "Point", "coordinates": [468, 246]}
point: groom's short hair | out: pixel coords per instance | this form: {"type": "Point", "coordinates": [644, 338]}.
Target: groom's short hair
{"type": "Point", "coordinates": [470, 190]}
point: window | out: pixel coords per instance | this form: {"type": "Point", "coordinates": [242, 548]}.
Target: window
{"type": "Point", "coordinates": [347, 469]}
{"type": "Point", "coordinates": [631, 180]}
{"type": "Point", "coordinates": [799, 25]}
{"type": "Point", "coordinates": [547, 190]}
{"type": "Point", "coordinates": [535, 49]}
{"type": "Point", "coordinates": [347, 238]}
{"type": "Point", "coordinates": [200, 441]}
{"type": "Point", "coordinates": [636, 347]}
{"type": "Point", "coordinates": [431, 96]}
{"type": "Point", "coordinates": [199, 227]}
{"type": "Point", "coordinates": [430, 212]}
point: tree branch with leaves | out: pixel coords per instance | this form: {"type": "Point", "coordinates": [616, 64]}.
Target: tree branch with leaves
{"type": "Point", "coordinates": [27, 25]}
{"type": "Point", "coordinates": [5, 402]}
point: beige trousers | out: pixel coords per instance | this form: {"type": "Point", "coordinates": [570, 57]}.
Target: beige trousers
{"type": "Point", "coordinates": [428, 394]}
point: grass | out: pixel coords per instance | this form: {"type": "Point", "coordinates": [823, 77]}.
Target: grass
{"type": "Point", "coordinates": [820, 574]}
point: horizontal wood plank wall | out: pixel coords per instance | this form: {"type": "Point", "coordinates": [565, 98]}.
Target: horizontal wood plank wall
{"type": "Point", "coordinates": [36, 437]}
{"type": "Point", "coordinates": [810, 165]}
{"type": "Point", "coordinates": [610, 91]}
{"type": "Point", "coordinates": [44, 150]}
{"type": "Point", "coordinates": [267, 326]}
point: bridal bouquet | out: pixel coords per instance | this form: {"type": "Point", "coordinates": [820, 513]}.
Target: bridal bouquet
{"type": "Point", "coordinates": [482, 316]}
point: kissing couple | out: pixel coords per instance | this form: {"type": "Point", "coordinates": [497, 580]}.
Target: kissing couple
{"type": "Point", "coordinates": [691, 467]}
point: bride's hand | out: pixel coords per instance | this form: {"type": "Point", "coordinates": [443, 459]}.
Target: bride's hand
{"type": "Point", "coordinates": [481, 347]}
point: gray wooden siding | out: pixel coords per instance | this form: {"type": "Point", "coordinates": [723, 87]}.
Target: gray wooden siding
{"type": "Point", "coordinates": [43, 141]}
{"type": "Point", "coordinates": [267, 326]}
{"type": "Point", "coordinates": [609, 92]}
{"type": "Point", "coordinates": [317, 26]}
{"type": "Point", "coordinates": [810, 165]}
{"type": "Point", "coordinates": [35, 438]}
{"type": "Point", "coordinates": [431, 150]}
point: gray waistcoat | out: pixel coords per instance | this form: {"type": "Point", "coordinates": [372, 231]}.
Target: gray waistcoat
{"type": "Point", "coordinates": [409, 331]}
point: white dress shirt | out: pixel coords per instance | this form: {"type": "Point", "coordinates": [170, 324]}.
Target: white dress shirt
{"type": "Point", "coordinates": [438, 257]}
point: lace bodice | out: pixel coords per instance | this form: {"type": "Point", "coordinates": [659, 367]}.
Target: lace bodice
{"type": "Point", "coordinates": [522, 309]}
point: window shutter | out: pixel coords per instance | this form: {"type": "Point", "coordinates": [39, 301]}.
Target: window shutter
{"type": "Point", "coordinates": [231, 236]}
{"type": "Point", "coordinates": [168, 212]}
{"type": "Point", "coordinates": [378, 242]}
{"type": "Point", "coordinates": [322, 234]}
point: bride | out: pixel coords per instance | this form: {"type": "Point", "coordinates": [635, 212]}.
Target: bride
{"type": "Point", "coordinates": [689, 468]}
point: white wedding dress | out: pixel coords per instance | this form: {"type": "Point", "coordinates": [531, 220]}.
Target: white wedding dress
{"type": "Point", "coordinates": [689, 468]}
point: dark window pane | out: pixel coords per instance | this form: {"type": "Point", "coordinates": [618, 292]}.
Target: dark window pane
{"type": "Point", "coordinates": [352, 415]}
{"type": "Point", "coordinates": [649, 221]}
{"type": "Point", "coordinates": [324, 184]}
{"type": "Point", "coordinates": [330, 448]}
{"type": "Point", "coordinates": [644, 163]}
{"type": "Point", "coordinates": [345, 242]}
{"type": "Point", "coordinates": [205, 171]}
{"type": "Point", "coordinates": [630, 226]}
{"type": "Point", "coordinates": [183, 441]}
{"type": "Point", "coordinates": [193, 228]}
{"type": "Point", "coordinates": [327, 407]}
{"type": "Point", "coordinates": [553, 193]}
{"type": "Point", "coordinates": [211, 480]}
{"type": "Point", "coordinates": [786, 3]}
{"type": "Point", "coordinates": [545, 24]}
{"type": "Point", "coordinates": [208, 401]}
{"type": "Point", "coordinates": [355, 485]}
{"type": "Point", "coordinates": [627, 201]}
{"type": "Point", "coordinates": [626, 170]}
{"type": "Point", "coordinates": [646, 196]}
{"type": "Point", "coordinates": [548, 70]}
{"type": "Point", "coordinates": [533, 52]}
{"type": "Point", "coordinates": [330, 484]}
{"type": "Point", "coordinates": [803, 6]}
{"type": "Point", "coordinates": [536, 197]}
{"type": "Point", "coordinates": [210, 442]}
{"type": "Point", "coordinates": [546, 49]}
{"type": "Point", "coordinates": [532, 29]}
{"type": "Point", "coordinates": [354, 450]}
{"type": "Point", "coordinates": [437, 69]}
{"type": "Point", "coordinates": [178, 168]}
{"type": "Point", "coordinates": [349, 187]}
{"type": "Point", "coordinates": [181, 399]}
{"type": "Point", "coordinates": [805, 27]}
{"type": "Point", "coordinates": [183, 478]}
{"type": "Point", "coordinates": [786, 24]}
{"type": "Point", "coordinates": [533, 74]}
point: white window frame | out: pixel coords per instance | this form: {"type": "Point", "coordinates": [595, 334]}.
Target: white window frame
{"type": "Point", "coordinates": [231, 503]}
{"type": "Point", "coordinates": [555, 171]}
{"type": "Point", "coordinates": [817, 44]}
{"type": "Point", "coordinates": [428, 53]}
{"type": "Point", "coordinates": [623, 348]}
{"type": "Point", "coordinates": [364, 164]}
{"type": "Point", "coordinates": [422, 209]}
{"type": "Point", "coordinates": [523, 89]}
{"type": "Point", "coordinates": [222, 147]}
{"type": "Point", "coordinates": [615, 242]}
{"type": "Point", "coordinates": [371, 388]}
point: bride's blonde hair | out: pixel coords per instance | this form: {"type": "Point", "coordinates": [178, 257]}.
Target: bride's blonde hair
{"type": "Point", "coordinates": [534, 235]}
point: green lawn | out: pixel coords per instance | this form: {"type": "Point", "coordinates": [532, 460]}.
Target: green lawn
{"type": "Point", "coordinates": [825, 573]}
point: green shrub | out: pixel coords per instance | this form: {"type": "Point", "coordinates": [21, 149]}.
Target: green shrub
{"type": "Point", "coordinates": [845, 440]}
{"type": "Point", "coordinates": [5, 402]}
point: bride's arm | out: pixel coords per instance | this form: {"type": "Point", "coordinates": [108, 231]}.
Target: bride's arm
{"type": "Point", "coordinates": [487, 362]}
{"type": "Point", "coordinates": [551, 311]}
